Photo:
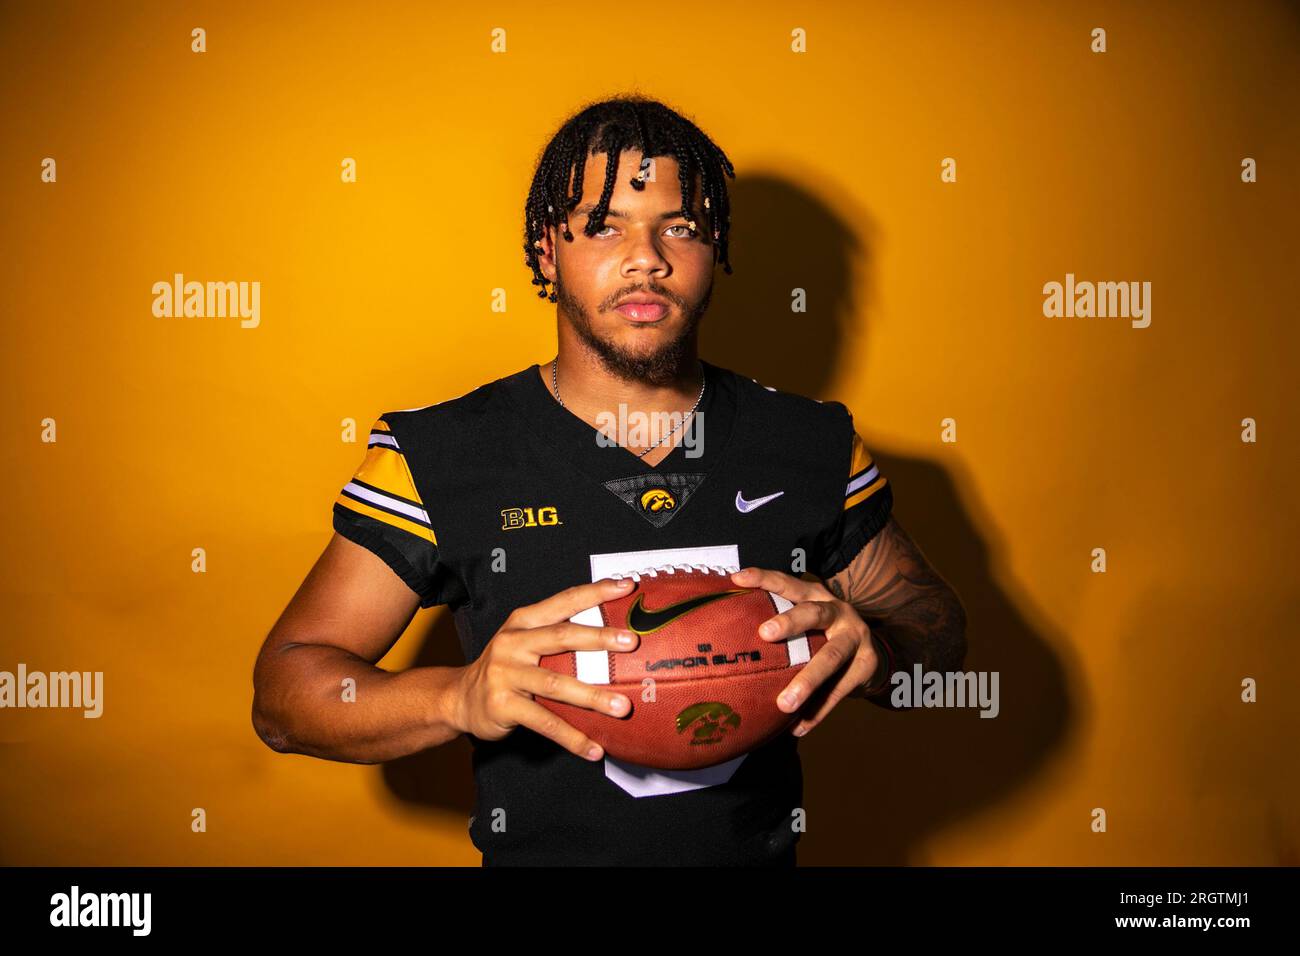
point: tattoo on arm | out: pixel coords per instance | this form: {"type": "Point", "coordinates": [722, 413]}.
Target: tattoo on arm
{"type": "Point", "coordinates": [905, 602]}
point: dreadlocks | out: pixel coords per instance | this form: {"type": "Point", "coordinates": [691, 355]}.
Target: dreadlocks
{"type": "Point", "coordinates": [611, 126]}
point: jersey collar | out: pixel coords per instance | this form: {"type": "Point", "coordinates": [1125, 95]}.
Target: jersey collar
{"type": "Point", "coordinates": [556, 431]}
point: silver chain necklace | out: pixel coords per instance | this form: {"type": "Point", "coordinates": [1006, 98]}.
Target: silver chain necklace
{"type": "Point", "coordinates": [555, 385]}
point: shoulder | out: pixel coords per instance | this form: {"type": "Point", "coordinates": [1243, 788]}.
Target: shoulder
{"type": "Point", "coordinates": [465, 413]}
{"type": "Point", "coordinates": [784, 408]}
{"type": "Point", "coordinates": [475, 401]}
{"type": "Point", "coordinates": [413, 453]}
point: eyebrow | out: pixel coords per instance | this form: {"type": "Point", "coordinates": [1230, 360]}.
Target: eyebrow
{"type": "Point", "coordinates": [587, 207]}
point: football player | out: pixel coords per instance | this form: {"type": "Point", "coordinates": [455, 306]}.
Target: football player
{"type": "Point", "coordinates": [516, 503]}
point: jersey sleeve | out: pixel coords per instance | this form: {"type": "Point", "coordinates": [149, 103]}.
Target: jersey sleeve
{"type": "Point", "coordinates": [867, 505]}
{"type": "Point", "coordinates": [381, 510]}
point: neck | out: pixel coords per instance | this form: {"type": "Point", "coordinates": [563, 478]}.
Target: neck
{"type": "Point", "coordinates": [588, 387]}
{"type": "Point", "coordinates": [591, 392]}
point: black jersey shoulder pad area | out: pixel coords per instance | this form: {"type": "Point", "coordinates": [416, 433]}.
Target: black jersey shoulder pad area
{"type": "Point", "coordinates": [391, 506]}
{"type": "Point", "coordinates": [868, 498]}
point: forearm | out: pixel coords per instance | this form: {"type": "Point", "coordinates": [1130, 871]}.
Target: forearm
{"type": "Point", "coordinates": [302, 705]}
{"type": "Point", "coordinates": [930, 631]}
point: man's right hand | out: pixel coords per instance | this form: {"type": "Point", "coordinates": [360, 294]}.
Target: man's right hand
{"type": "Point", "coordinates": [495, 694]}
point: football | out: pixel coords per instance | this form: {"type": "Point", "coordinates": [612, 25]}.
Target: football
{"type": "Point", "coordinates": [702, 683]}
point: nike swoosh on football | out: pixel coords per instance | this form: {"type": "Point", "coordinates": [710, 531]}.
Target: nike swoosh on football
{"type": "Point", "coordinates": [644, 622]}
{"type": "Point", "coordinates": [744, 506]}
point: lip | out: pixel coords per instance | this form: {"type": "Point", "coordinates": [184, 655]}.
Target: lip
{"type": "Point", "coordinates": [643, 308]}
{"type": "Point", "coordinates": [643, 311]}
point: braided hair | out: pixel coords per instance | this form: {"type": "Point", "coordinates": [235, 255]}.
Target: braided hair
{"type": "Point", "coordinates": [611, 126]}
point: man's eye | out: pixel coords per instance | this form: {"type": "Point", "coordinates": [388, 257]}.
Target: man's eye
{"type": "Point", "coordinates": [600, 233]}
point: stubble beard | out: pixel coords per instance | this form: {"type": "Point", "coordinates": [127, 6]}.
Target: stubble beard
{"type": "Point", "coordinates": [662, 367]}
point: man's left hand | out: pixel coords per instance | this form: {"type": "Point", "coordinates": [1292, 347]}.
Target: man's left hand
{"type": "Point", "coordinates": [849, 657]}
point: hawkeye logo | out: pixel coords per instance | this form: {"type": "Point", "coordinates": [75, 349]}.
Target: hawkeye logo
{"type": "Point", "coordinates": [708, 721]}
{"type": "Point", "coordinates": [526, 518]}
{"type": "Point", "coordinates": [647, 622]}
{"type": "Point", "coordinates": [657, 499]}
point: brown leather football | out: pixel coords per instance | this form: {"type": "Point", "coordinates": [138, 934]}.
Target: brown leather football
{"type": "Point", "coordinates": [702, 683]}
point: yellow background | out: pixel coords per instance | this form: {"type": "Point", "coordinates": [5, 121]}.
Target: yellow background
{"type": "Point", "coordinates": [1118, 691]}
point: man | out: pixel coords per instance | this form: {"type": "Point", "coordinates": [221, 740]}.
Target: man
{"type": "Point", "coordinates": [518, 503]}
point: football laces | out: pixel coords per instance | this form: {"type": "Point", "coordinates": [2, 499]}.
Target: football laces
{"type": "Point", "coordinates": [653, 572]}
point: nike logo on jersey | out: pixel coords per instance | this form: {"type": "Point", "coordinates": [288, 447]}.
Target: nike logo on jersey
{"type": "Point", "coordinates": [645, 622]}
{"type": "Point", "coordinates": [744, 507]}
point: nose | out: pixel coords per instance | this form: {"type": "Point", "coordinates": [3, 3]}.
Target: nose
{"type": "Point", "coordinates": [644, 258]}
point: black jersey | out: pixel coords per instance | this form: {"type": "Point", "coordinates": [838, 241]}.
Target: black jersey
{"type": "Point", "coordinates": [502, 497]}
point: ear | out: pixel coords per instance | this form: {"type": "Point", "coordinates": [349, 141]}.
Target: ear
{"type": "Point", "coordinates": [546, 253]}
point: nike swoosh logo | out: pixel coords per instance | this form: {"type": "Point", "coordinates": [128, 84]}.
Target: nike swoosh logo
{"type": "Point", "coordinates": [645, 622]}
{"type": "Point", "coordinates": [744, 507]}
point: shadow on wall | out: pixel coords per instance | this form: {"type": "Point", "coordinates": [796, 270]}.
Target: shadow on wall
{"type": "Point", "coordinates": [877, 784]}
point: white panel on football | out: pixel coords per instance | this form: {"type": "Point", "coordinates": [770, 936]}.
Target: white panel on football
{"type": "Point", "coordinates": [592, 666]}
{"type": "Point", "coordinates": [591, 616]}
{"type": "Point", "coordinates": [797, 646]}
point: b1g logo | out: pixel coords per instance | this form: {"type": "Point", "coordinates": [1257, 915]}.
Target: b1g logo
{"type": "Point", "coordinates": [657, 499]}
{"type": "Point", "coordinates": [526, 518]}
{"type": "Point", "coordinates": [708, 722]}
